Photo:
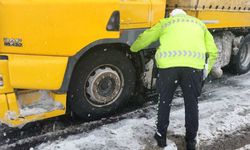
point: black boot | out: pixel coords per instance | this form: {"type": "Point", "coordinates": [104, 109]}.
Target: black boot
{"type": "Point", "coordinates": [191, 145]}
{"type": "Point", "coordinates": [161, 139]}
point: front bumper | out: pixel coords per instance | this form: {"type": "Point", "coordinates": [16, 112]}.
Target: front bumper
{"type": "Point", "coordinates": [10, 112]}
{"type": "Point", "coordinates": [10, 106]}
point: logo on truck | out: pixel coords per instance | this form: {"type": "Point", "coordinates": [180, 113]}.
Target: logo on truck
{"type": "Point", "coordinates": [16, 42]}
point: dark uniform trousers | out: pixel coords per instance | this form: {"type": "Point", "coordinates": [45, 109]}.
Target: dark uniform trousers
{"type": "Point", "coordinates": [190, 81]}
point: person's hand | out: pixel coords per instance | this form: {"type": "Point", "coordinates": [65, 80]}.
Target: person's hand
{"type": "Point", "coordinates": [205, 72]}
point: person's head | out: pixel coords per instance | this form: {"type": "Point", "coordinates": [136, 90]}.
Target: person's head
{"type": "Point", "coordinates": [177, 11]}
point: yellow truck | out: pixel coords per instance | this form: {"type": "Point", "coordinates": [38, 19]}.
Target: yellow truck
{"type": "Point", "coordinates": [58, 55]}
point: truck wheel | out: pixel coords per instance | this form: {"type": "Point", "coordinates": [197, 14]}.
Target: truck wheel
{"type": "Point", "coordinates": [241, 62]}
{"type": "Point", "coordinates": [101, 83]}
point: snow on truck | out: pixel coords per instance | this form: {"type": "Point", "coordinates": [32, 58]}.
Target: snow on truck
{"type": "Point", "coordinates": [74, 55]}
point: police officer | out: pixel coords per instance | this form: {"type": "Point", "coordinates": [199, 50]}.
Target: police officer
{"type": "Point", "coordinates": [180, 59]}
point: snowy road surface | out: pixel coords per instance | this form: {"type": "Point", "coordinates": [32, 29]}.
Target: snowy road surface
{"type": "Point", "coordinates": [226, 111]}
{"type": "Point", "coordinates": [224, 124]}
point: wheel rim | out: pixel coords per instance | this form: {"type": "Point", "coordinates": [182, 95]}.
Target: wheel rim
{"type": "Point", "coordinates": [104, 85]}
{"type": "Point", "coordinates": [245, 55]}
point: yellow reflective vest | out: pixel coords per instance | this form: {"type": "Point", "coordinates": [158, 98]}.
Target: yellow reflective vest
{"type": "Point", "coordinates": [184, 41]}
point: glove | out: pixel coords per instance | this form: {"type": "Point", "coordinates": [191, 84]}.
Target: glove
{"type": "Point", "coordinates": [205, 72]}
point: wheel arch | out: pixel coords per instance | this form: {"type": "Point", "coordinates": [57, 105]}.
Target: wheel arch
{"type": "Point", "coordinates": [124, 42]}
{"type": "Point", "coordinates": [101, 44]}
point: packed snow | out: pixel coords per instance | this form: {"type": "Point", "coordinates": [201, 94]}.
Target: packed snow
{"type": "Point", "coordinates": [226, 110]}
{"type": "Point", "coordinates": [45, 103]}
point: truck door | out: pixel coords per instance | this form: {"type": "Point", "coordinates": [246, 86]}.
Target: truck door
{"type": "Point", "coordinates": [135, 13]}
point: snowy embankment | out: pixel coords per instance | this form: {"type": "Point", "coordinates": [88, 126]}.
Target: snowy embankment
{"type": "Point", "coordinates": [226, 110]}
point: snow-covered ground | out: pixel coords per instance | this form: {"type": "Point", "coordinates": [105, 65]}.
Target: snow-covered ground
{"type": "Point", "coordinates": [247, 147]}
{"type": "Point", "coordinates": [227, 110]}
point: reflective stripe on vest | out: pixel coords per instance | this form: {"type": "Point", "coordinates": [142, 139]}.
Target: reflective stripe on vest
{"type": "Point", "coordinates": [180, 53]}
{"type": "Point", "coordinates": [182, 20]}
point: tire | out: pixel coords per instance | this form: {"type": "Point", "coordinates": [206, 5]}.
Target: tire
{"type": "Point", "coordinates": [101, 83]}
{"type": "Point", "coordinates": [240, 63]}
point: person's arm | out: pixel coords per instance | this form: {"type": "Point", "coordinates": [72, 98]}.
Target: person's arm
{"type": "Point", "coordinates": [211, 49]}
{"type": "Point", "coordinates": [146, 38]}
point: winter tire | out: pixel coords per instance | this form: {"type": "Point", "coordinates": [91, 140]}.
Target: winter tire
{"type": "Point", "coordinates": [241, 62]}
{"type": "Point", "coordinates": [102, 82]}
